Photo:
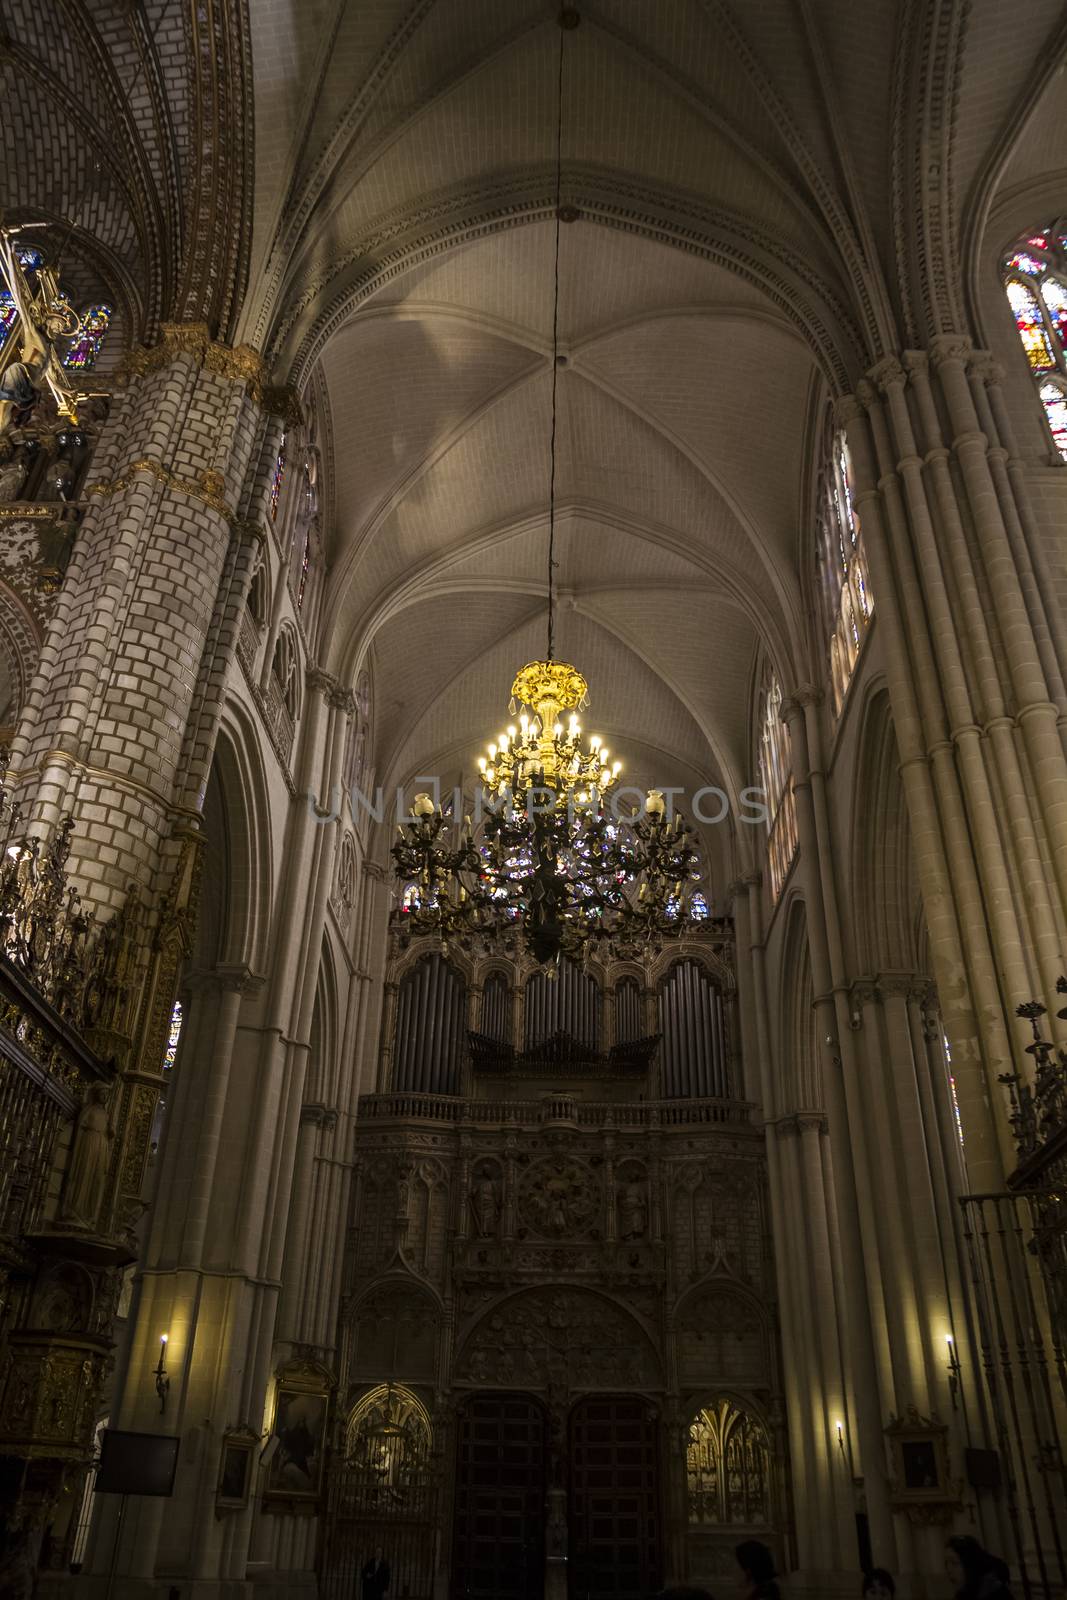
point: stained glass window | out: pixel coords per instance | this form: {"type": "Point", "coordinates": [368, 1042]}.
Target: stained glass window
{"type": "Point", "coordinates": [85, 346]}
{"type": "Point", "coordinates": [306, 567]}
{"type": "Point", "coordinates": [8, 313]}
{"type": "Point", "coordinates": [170, 1054]}
{"type": "Point", "coordinates": [843, 591]}
{"type": "Point", "coordinates": [952, 1089]}
{"type": "Point", "coordinates": [1054, 399]}
{"type": "Point", "coordinates": [775, 763]}
{"type": "Point", "coordinates": [1035, 281]}
{"type": "Point", "coordinates": [277, 478]}
{"type": "Point", "coordinates": [1031, 325]}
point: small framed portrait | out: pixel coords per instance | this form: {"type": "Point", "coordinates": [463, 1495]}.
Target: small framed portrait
{"type": "Point", "coordinates": [235, 1468]}
{"type": "Point", "coordinates": [299, 1429]}
{"type": "Point", "coordinates": [920, 1465]}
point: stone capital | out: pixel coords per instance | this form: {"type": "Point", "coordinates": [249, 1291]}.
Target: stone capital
{"type": "Point", "coordinates": [332, 690]}
{"type": "Point", "coordinates": [807, 694]}
{"type": "Point", "coordinates": [896, 985]}
{"type": "Point", "coordinates": [230, 979]}
{"type": "Point", "coordinates": [248, 528]}
{"type": "Point", "coordinates": [793, 709]}
{"type": "Point", "coordinates": [847, 408]}
{"type": "Point", "coordinates": [916, 361]}
{"type": "Point", "coordinates": [888, 374]}
{"type": "Point", "coordinates": [948, 347]}
{"type": "Point", "coordinates": [801, 1122]}
{"type": "Point", "coordinates": [985, 368]}
{"type": "Point", "coordinates": [318, 1115]}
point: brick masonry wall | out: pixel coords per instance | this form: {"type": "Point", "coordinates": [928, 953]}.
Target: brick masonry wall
{"type": "Point", "coordinates": [118, 717]}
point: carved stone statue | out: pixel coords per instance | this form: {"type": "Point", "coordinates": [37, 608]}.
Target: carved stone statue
{"type": "Point", "coordinates": [83, 1194]}
{"type": "Point", "coordinates": [486, 1209]}
{"type": "Point", "coordinates": [633, 1211]}
{"type": "Point", "coordinates": [13, 470]}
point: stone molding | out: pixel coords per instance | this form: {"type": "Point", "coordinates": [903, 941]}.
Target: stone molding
{"type": "Point", "coordinates": [235, 363]}
{"type": "Point", "coordinates": [208, 486]}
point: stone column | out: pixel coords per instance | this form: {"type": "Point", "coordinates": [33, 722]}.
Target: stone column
{"type": "Point", "coordinates": [848, 1139]}
{"type": "Point", "coordinates": [955, 917]}
{"type": "Point", "coordinates": [816, 1388]}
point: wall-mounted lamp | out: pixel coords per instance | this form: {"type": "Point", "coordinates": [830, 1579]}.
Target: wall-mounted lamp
{"type": "Point", "coordinates": [840, 1436]}
{"type": "Point", "coordinates": [954, 1369]}
{"type": "Point", "coordinates": [162, 1381]}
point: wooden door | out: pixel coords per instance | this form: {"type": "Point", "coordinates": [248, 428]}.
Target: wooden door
{"type": "Point", "coordinates": [614, 1500]}
{"type": "Point", "coordinates": [498, 1543]}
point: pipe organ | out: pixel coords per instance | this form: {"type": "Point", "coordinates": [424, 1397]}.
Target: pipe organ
{"type": "Point", "coordinates": [448, 1026]}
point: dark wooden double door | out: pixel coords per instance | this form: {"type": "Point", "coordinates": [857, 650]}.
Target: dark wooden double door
{"type": "Point", "coordinates": [613, 1511]}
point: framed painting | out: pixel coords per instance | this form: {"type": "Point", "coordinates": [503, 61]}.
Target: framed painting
{"type": "Point", "coordinates": [295, 1466]}
{"type": "Point", "coordinates": [239, 1447]}
{"type": "Point", "coordinates": [922, 1487]}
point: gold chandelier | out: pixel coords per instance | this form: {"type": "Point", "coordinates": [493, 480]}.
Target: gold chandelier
{"type": "Point", "coordinates": [548, 856]}
{"type": "Point", "coordinates": [542, 751]}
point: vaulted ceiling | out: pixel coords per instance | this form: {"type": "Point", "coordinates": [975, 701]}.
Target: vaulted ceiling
{"type": "Point", "coordinates": [770, 196]}
{"type": "Point", "coordinates": [752, 207]}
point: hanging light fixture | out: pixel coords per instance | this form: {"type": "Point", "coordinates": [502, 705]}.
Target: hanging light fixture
{"type": "Point", "coordinates": [548, 857]}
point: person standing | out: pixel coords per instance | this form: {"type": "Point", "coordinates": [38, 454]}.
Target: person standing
{"type": "Point", "coordinates": [375, 1576]}
{"type": "Point", "coordinates": [879, 1585]}
{"type": "Point", "coordinates": [976, 1573]}
{"type": "Point", "coordinates": [758, 1571]}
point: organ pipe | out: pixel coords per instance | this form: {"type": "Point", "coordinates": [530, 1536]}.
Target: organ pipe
{"type": "Point", "coordinates": [496, 1008]}
{"type": "Point", "coordinates": [431, 1021]}
{"type": "Point", "coordinates": [694, 1038]}
{"type": "Point", "coordinates": [628, 1019]}
{"type": "Point", "coordinates": [569, 1003]}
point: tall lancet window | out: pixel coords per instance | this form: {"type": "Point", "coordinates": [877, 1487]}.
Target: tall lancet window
{"type": "Point", "coordinates": [1035, 281]}
{"type": "Point", "coordinates": [843, 590]}
{"type": "Point", "coordinates": [277, 478]}
{"type": "Point", "coordinates": [775, 761]}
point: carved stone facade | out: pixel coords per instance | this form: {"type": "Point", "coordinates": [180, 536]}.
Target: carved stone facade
{"type": "Point", "coordinates": [501, 1255]}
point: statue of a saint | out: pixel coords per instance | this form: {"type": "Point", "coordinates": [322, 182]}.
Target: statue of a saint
{"type": "Point", "coordinates": [633, 1213]}
{"type": "Point", "coordinates": [83, 1194]}
{"type": "Point", "coordinates": [485, 1207]}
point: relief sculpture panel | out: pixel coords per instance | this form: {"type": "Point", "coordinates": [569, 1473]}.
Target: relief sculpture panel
{"type": "Point", "coordinates": [558, 1337]}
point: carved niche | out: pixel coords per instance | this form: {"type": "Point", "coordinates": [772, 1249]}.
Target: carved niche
{"type": "Point", "coordinates": [721, 1339]}
{"type": "Point", "coordinates": [486, 1188]}
{"type": "Point", "coordinates": [559, 1198]}
{"type": "Point", "coordinates": [549, 1338]}
{"type": "Point", "coordinates": [395, 1332]}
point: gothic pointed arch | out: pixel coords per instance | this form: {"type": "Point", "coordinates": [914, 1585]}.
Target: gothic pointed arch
{"type": "Point", "coordinates": [885, 898]}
